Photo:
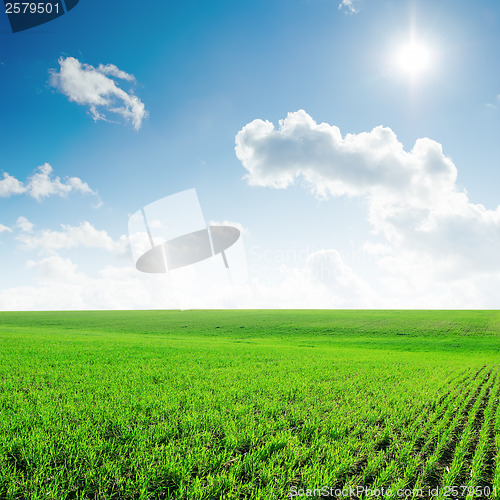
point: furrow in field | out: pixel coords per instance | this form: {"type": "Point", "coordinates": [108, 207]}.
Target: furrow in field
{"type": "Point", "coordinates": [479, 371]}
{"type": "Point", "coordinates": [480, 463]}
{"type": "Point", "coordinates": [404, 455]}
{"type": "Point", "coordinates": [440, 444]}
{"type": "Point", "coordinates": [453, 464]}
{"type": "Point", "coordinates": [388, 451]}
{"type": "Point", "coordinates": [342, 459]}
{"type": "Point", "coordinates": [496, 437]}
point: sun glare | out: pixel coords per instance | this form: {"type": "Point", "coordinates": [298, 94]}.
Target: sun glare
{"type": "Point", "coordinates": [413, 59]}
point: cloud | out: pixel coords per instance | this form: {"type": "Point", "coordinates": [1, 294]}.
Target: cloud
{"type": "Point", "coordinates": [434, 235]}
{"type": "Point", "coordinates": [349, 6]}
{"type": "Point", "coordinates": [329, 163]}
{"type": "Point", "coordinates": [327, 267]}
{"type": "Point", "coordinates": [24, 225]}
{"type": "Point", "coordinates": [56, 269]}
{"type": "Point", "coordinates": [60, 285]}
{"type": "Point", "coordinates": [42, 184]}
{"type": "Point", "coordinates": [325, 282]}
{"type": "Point", "coordinates": [111, 69]}
{"type": "Point", "coordinates": [495, 104]}
{"type": "Point", "coordinates": [93, 87]}
{"type": "Point", "coordinates": [84, 235]}
{"type": "Point", "coordinates": [10, 185]}
{"type": "Point", "coordinates": [5, 229]}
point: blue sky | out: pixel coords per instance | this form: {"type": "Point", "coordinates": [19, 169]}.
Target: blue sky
{"type": "Point", "coordinates": [355, 223]}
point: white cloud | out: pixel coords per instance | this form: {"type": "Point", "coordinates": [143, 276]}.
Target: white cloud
{"type": "Point", "coordinates": [495, 104]}
{"type": "Point", "coordinates": [24, 225]}
{"type": "Point", "coordinates": [330, 164]}
{"type": "Point", "coordinates": [10, 185]}
{"type": "Point", "coordinates": [435, 237]}
{"type": "Point", "coordinates": [111, 69]}
{"type": "Point", "coordinates": [328, 268]}
{"type": "Point", "coordinates": [62, 286]}
{"type": "Point", "coordinates": [56, 269]}
{"type": "Point", "coordinates": [42, 184]}
{"type": "Point", "coordinates": [325, 282]}
{"type": "Point", "coordinates": [5, 229]}
{"type": "Point", "coordinates": [89, 86]}
{"type": "Point", "coordinates": [349, 6]}
{"type": "Point", "coordinates": [84, 235]}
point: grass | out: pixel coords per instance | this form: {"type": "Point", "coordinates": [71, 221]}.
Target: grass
{"type": "Point", "coordinates": [248, 404]}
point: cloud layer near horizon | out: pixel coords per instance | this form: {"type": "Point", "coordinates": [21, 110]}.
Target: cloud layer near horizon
{"type": "Point", "coordinates": [325, 282]}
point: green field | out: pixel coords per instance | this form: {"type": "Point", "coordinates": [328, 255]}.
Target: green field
{"type": "Point", "coordinates": [249, 404]}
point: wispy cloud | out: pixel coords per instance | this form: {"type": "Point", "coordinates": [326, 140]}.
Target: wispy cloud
{"type": "Point", "coordinates": [494, 105]}
{"type": "Point", "coordinates": [94, 87]}
{"type": "Point", "coordinates": [24, 225]}
{"type": "Point", "coordinates": [5, 229]}
{"type": "Point", "coordinates": [349, 6]}
{"type": "Point", "coordinates": [112, 70]}
{"type": "Point", "coordinates": [42, 184]}
{"type": "Point", "coordinates": [85, 235]}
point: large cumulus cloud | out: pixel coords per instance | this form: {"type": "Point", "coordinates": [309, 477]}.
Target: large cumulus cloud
{"type": "Point", "coordinates": [433, 232]}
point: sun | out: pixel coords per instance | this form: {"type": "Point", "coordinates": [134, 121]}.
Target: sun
{"type": "Point", "coordinates": [413, 59]}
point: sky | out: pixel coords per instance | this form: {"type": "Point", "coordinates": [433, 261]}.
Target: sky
{"type": "Point", "coordinates": [354, 143]}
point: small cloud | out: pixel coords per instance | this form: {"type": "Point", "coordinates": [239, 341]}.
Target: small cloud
{"type": "Point", "coordinates": [42, 184]}
{"type": "Point", "coordinates": [10, 185]}
{"type": "Point", "coordinates": [84, 235]}
{"type": "Point", "coordinates": [495, 104]}
{"type": "Point", "coordinates": [349, 6]}
{"type": "Point", "coordinates": [56, 269]}
{"type": "Point", "coordinates": [93, 87]}
{"type": "Point", "coordinates": [24, 225]}
{"type": "Point", "coordinates": [5, 229]}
